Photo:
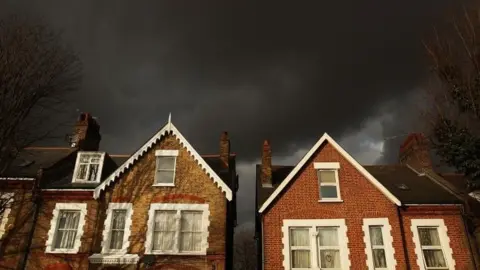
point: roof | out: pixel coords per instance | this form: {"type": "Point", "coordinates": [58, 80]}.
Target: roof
{"type": "Point", "coordinates": [393, 176]}
{"type": "Point", "coordinates": [31, 159]}
{"type": "Point", "coordinates": [324, 139]}
{"type": "Point", "coordinates": [169, 128]}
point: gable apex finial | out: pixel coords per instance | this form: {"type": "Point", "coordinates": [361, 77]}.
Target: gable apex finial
{"type": "Point", "coordinates": [169, 121]}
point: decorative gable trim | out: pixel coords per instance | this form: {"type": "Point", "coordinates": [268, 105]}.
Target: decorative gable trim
{"type": "Point", "coordinates": [167, 129]}
{"type": "Point", "coordinates": [348, 157]}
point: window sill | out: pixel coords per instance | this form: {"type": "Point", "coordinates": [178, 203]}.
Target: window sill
{"type": "Point", "coordinates": [164, 185]}
{"type": "Point", "coordinates": [196, 253]}
{"type": "Point", "coordinates": [62, 251]}
{"type": "Point", "coordinates": [85, 181]}
{"type": "Point", "coordinates": [331, 201]}
{"type": "Point", "coordinates": [114, 259]}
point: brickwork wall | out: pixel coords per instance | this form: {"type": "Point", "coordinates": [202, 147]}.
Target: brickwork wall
{"type": "Point", "coordinates": [38, 259]}
{"type": "Point", "coordinates": [192, 185]}
{"type": "Point", "coordinates": [361, 199]}
{"type": "Point", "coordinates": [14, 240]}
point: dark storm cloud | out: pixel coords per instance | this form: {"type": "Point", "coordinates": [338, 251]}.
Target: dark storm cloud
{"type": "Point", "coordinates": [259, 69]}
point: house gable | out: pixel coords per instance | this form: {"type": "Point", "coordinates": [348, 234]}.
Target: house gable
{"type": "Point", "coordinates": [168, 129]}
{"type": "Point", "coordinates": [304, 161]}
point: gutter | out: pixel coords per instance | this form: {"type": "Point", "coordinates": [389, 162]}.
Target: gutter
{"type": "Point", "coordinates": [468, 239]}
{"type": "Point", "coordinates": [404, 241]}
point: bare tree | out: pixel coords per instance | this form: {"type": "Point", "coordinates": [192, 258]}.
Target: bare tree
{"type": "Point", "coordinates": [453, 114]}
{"type": "Point", "coordinates": [37, 71]}
{"type": "Point", "coordinates": [245, 256]}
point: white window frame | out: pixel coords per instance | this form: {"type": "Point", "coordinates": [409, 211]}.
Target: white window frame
{"type": "Point", "coordinates": [177, 207]}
{"type": "Point", "coordinates": [107, 232]}
{"type": "Point", "coordinates": [82, 207]}
{"type": "Point", "coordinates": [328, 166]}
{"type": "Point", "coordinates": [444, 241]}
{"type": "Point", "coordinates": [6, 212]}
{"type": "Point", "coordinates": [312, 224]}
{"type": "Point", "coordinates": [166, 153]}
{"type": "Point", "coordinates": [387, 242]}
{"type": "Point", "coordinates": [77, 164]}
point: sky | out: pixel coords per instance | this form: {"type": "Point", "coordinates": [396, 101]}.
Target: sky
{"type": "Point", "coordinates": [286, 71]}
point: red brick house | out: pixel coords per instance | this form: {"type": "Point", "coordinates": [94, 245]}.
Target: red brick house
{"type": "Point", "coordinates": [330, 212]}
{"type": "Point", "coordinates": [164, 207]}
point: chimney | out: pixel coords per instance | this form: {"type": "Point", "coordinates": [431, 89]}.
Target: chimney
{"type": "Point", "coordinates": [266, 176]}
{"type": "Point", "coordinates": [415, 152]}
{"type": "Point", "coordinates": [86, 133]}
{"type": "Point", "coordinates": [224, 147]}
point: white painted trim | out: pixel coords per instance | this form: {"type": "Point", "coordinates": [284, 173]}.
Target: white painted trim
{"type": "Point", "coordinates": [312, 224]}
{"type": "Point", "coordinates": [169, 127]}
{"type": "Point", "coordinates": [177, 207]}
{"type": "Point", "coordinates": [444, 240]}
{"type": "Point", "coordinates": [348, 157]}
{"type": "Point", "coordinates": [114, 259]}
{"type": "Point", "coordinates": [172, 184]}
{"type": "Point", "coordinates": [326, 165]}
{"type": "Point", "coordinates": [108, 224]}
{"type": "Point", "coordinates": [166, 153]}
{"type": "Point", "coordinates": [100, 167]}
{"type": "Point", "coordinates": [387, 242]}
{"type": "Point", "coordinates": [6, 212]}
{"type": "Point", "coordinates": [67, 189]}
{"type": "Point", "coordinates": [17, 178]}
{"type": "Point", "coordinates": [82, 207]}
{"type": "Point", "coordinates": [337, 186]}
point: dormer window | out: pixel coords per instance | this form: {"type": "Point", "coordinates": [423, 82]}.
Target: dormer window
{"type": "Point", "coordinates": [329, 187]}
{"type": "Point", "coordinates": [165, 167]}
{"type": "Point", "coordinates": [88, 168]}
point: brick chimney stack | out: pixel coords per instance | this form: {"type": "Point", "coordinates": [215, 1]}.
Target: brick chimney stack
{"type": "Point", "coordinates": [415, 152]}
{"type": "Point", "coordinates": [86, 133]}
{"type": "Point", "coordinates": [224, 147]}
{"type": "Point", "coordinates": [266, 175]}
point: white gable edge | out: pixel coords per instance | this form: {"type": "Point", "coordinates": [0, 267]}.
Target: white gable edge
{"type": "Point", "coordinates": [140, 152]}
{"type": "Point", "coordinates": [342, 152]}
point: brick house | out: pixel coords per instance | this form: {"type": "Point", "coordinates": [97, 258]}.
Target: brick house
{"type": "Point", "coordinates": [330, 212]}
{"type": "Point", "coordinates": [164, 207]}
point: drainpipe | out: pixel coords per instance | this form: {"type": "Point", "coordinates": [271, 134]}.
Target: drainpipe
{"type": "Point", "coordinates": [468, 238]}
{"type": "Point", "coordinates": [36, 209]}
{"type": "Point", "coordinates": [404, 241]}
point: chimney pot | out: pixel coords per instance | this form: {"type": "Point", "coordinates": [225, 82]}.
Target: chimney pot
{"type": "Point", "coordinates": [266, 174]}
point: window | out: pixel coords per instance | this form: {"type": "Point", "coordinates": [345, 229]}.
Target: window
{"type": "Point", "coordinates": [117, 228]}
{"type": "Point", "coordinates": [6, 201]}
{"type": "Point", "coordinates": [378, 244]}
{"type": "Point", "coordinates": [315, 244]}
{"type": "Point", "coordinates": [431, 244]}
{"type": "Point", "coordinates": [165, 167]}
{"type": "Point", "coordinates": [66, 228]}
{"type": "Point", "coordinates": [88, 167]}
{"type": "Point", "coordinates": [327, 173]}
{"type": "Point", "coordinates": [177, 229]}
{"type": "Point", "coordinates": [300, 247]}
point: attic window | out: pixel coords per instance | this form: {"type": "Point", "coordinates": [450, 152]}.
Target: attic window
{"type": "Point", "coordinates": [403, 187]}
{"type": "Point", "coordinates": [88, 168]}
{"type": "Point", "coordinates": [165, 167]}
{"type": "Point", "coordinates": [329, 186]}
